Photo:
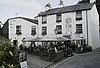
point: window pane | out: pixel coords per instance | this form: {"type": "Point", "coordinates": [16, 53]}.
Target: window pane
{"type": "Point", "coordinates": [59, 29]}
{"type": "Point", "coordinates": [44, 30]}
{"type": "Point", "coordinates": [58, 18]}
{"type": "Point", "coordinates": [79, 15]}
{"type": "Point", "coordinates": [79, 28]}
{"type": "Point", "coordinates": [18, 29]}
{"type": "Point", "coordinates": [33, 30]}
{"type": "Point", "coordinates": [44, 19]}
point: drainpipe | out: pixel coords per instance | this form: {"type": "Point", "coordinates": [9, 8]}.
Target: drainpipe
{"type": "Point", "coordinates": [87, 24]}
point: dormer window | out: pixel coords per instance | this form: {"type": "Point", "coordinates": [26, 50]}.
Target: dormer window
{"type": "Point", "coordinates": [78, 15]}
{"type": "Point", "coordinates": [44, 19]}
{"type": "Point", "coordinates": [58, 18]}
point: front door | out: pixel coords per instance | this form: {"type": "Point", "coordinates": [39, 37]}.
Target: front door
{"type": "Point", "coordinates": [15, 42]}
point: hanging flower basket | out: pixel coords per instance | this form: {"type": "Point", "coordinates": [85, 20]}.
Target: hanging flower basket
{"type": "Point", "coordinates": [33, 33]}
{"type": "Point", "coordinates": [43, 33]}
{"type": "Point", "coordinates": [18, 33]}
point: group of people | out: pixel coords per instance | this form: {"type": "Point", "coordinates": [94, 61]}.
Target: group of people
{"type": "Point", "coordinates": [81, 48]}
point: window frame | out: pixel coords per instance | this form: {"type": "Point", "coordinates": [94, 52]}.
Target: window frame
{"type": "Point", "coordinates": [18, 30]}
{"type": "Point", "coordinates": [44, 19]}
{"type": "Point", "coordinates": [78, 15]}
{"type": "Point", "coordinates": [33, 30]}
{"type": "Point", "coordinates": [79, 29]}
{"type": "Point", "coordinates": [58, 17]}
{"type": "Point", "coordinates": [59, 29]}
{"type": "Point", "coordinates": [44, 30]}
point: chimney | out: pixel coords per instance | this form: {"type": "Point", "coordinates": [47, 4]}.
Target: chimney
{"type": "Point", "coordinates": [48, 6]}
{"type": "Point", "coordinates": [61, 3]}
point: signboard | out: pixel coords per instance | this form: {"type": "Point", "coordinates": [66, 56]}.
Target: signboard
{"type": "Point", "coordinates": [23, 64]}
{"type": "Point", "coordinates": [23, 60]}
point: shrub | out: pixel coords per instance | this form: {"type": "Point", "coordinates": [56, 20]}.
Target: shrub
{"type": "Point", "coordinates": [88, 48]}
{"type": "Point", "coordinates": [8, 54]}
{"type": "Point", "coordinates": [51, 45]}
{"type": "Point", "coordinates": [73, 46]}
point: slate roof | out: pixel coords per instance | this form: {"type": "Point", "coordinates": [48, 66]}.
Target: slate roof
{"type": "Point", "coordinates": [66, 9]}
{"type": "Point", "coordinates": [27, 19]}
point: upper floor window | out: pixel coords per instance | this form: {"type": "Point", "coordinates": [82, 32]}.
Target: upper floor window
{"type": "Point", "coordinates": [79, 28]}
{"type": "Point", "coordinates": [58, 29]}
{"type": "Point", "coordinates": [33, 30]}
{"type": "Point", "coordinates": [78, 15]}
{"type": "Point", "coordinates": [58, 18]}
{"type": "Point", "coordinates": [18, 29]}
{"type": "Point", "coordinates": [44, 19]}
{"type": "Point", "coordinates": [44, 30]}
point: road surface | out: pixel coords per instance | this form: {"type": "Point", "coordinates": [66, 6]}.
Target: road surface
{"type": "Point", "coordinates": [36, 62]}
{"type": "Point", "coordinates": [88, 60]}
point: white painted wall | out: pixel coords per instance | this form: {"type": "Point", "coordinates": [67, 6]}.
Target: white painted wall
{"type": "Point", "coordinates": [51, 25]}
{"type": "Point", "coordinates": [94, 21]}
{"type": "Point", "coordinates": [25, 29]}
{"type": "Point", "coordinates": [92, 1]}
{"type": "Point", "coordinates": [93, 26]}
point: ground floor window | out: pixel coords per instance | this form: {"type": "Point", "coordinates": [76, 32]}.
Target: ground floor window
{"type": "Point", "coordinates": [15, 42]}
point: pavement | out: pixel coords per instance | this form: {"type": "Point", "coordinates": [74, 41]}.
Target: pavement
{"type": "Point", "coordinates": [36, 62]}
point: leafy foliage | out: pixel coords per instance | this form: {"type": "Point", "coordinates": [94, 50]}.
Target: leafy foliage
{"type": "Point", "coordinates": [8, 54]}
{"type": "Point", "coordinates": [88, 48]}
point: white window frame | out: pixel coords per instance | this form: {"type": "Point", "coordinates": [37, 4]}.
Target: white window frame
{"type": "Point", "coordinates": [44, 19]}
{"type": "Point", "coordinates": [18, 29]}
{"type": "Point", "coordinates": [58, 17]}
{"type": "Point", "coordinates": [33, 30]}
{"type": "Point", "coordinates": [78, 15]}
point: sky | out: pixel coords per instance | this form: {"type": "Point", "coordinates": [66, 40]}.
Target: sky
{"type": "Point", "coordinates": [27, 8]}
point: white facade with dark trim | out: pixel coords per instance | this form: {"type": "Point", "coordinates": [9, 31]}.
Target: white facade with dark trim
{"type": "Point", "coordinates": [87, 25]}
{"type": "Point", "coordinates": [18, 28]}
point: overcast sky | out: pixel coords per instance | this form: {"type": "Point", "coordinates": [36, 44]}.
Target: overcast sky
{"type": "Point", "coordinates": [26, 8]}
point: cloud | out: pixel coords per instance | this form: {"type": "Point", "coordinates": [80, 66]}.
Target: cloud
{"type": "Point", "coordinates": [28, 4]}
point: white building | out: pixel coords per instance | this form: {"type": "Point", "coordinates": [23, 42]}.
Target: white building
{"type": "Point", "coordinates": [79, 21]}
{"type": "Point", "coordinates": [18, 28]}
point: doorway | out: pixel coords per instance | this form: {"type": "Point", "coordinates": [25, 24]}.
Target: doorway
{"type": "Point", "coordinates": [15, 42]}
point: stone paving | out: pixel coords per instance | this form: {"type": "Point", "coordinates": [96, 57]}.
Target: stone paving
{"type": "Point", "coordinates": [36, 62]}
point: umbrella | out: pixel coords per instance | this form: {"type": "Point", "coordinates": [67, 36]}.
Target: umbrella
{"type": "Point", "coordinates": [47, 39]}
{"type": "Point", "coordinates": [26, 40]}
{"type": "Point", "coordinates": [77, 38]}
{"type": "Point", "coordinates": [37, 39]}
{"type": "Point", "coordinates": [62, 39]}
{"type": "Point", "coordinates": [54, 39]}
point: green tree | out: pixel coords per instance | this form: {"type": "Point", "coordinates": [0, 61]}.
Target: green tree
{"type": "Point", "coordinates": [8, 55]}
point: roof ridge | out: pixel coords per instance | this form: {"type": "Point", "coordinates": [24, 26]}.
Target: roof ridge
{"type": "Point", "coordinates": [27, 19]}
{"type": "Point", "coordinates": [70, 8]}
